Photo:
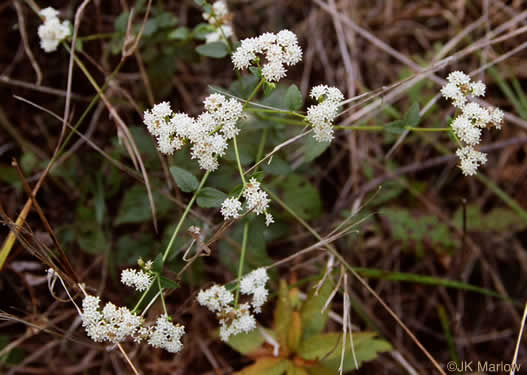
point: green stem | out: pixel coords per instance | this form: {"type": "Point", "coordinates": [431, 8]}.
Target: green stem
{"type": "Point", "coordinates": [183, 217]}
{"type": "Point", "coordinates": [261, 146]}
{"type": "Point", "coordinates": [253, 94]}
{"type": "Point", "coordinates": [97, 36]}
{"type": "Point", "coordinates": [161, 294]}
{"type": "Point", "coordinates": [427, 129]}
{"type": "Point", "coordinates": [142, 298]}
{"type": "Point", "coordinates": [242, 260]}
{"type": "Point", "coordinates": [361, 127]}
{"type": "Point", "coordinates": [279, 111]}
{"type": "Point", "coordinates": [238, 161]}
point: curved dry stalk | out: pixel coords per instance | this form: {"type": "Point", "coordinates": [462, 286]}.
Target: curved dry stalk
{"type": "Point", "coordinates": [23, 34]}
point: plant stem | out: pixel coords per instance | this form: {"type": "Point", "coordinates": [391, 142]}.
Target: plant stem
{"type": "Point", "coordinates": [183, 217]}
{"type": "Point", "coordinates": [253, 94]}
{"type": "Point", "coordinates": [161, 294]}
{"type": "Point", "coordinates": [242, 260]}
{"type": "Point", "coordinates": [238, 161]}
{"type": "Point", "coordinates": [261, 146]}
{"type": "Point", "coordinates": [142, 298]}
{"type": "Point", "coordinates": [427, 129]}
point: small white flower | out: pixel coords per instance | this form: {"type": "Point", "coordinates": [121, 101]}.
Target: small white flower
{"type": "Point", "coordinates": [219, 9]}
{"type": "Point", "coordinates": [470, 160]}
{"type": "Point", "coordinates": [254, 284]}
{"type": "Point", "coordinates": [114, 324]}
{"type": "Point", "coordinates": [220, 34]}
{"type": "Point", "coordinates": [496, 117]}
{"type": "Point", "coordinates": [49, 13]}
{"type": "Point", "coordinates": [458, 78]}
{"type": "Point", "coordinates": [230, 208]}
{"type": "Point", "coordinates": [477, 88]}
{"type": "Point", "coordinates": [278, 50]}
{"type": "Point", "coordinates": [52, 31]}
{"type": "Point", "coordinates": [464, 130]}
{"type": "Point", "coordinates": [166, 335]}
{"type": "Point", "coordinates": [268, 219]}
{"type": "Point", "coordinates": [257, 199]}
{"type": "Point", "coordinates": [236, 321]}
{"type": "Point", "coordinates": [321, 116]}
{"type": "Point", "coordinates": [216, 298]}
{"type": "Point", "coordinates": [139, 280]}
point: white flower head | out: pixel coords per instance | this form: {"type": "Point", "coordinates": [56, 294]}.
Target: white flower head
{"type": "Point", "coordinates": [114, 324]}
{"type": "Point", "coordinates": [278, 49]}
{"type": "Point", "coordinates": [139, 280]}
{"type": "Point", "coordinates": [235, 321]}
{"type": "Point", "coordinates": [322, 115]}
{"type": "Point", "coordinates": [496, 117]}
{"type": "Point", "coordinates": [268, 219]}
{"type": "Point", "coordinates": [230, 208]}
{"type": "Point", "coordinates": [52, 31]}
{"type": "Point", "coordinates": [49, 13]}
{"type": "Point", "coordinates": [220, 11]}
{"type": "Point", "coordinates": [257, 199]}
{"type": "Point", "coordinates": [220, 34]}
{"type": "Point", "coordinates": [254, 284]}
{"type": "Point", "coordinates": [470, 160]}
{"type": "Point", "coordinates": [166, 335]}
{"type": "Point", "coordinates": [216, 298]}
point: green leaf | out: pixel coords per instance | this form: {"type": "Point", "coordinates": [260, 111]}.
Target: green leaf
{"type": "Point", "coordinates": [246, 343]}
{"type": "Point", "coordinates": [282, 315]}
{"type": "Point", "coordinates": [216, 50]}
{"type": "Point", "coordinates": [181, 33]}
{"type": "Point", "coordinates": [265, 366]}
{"type": "Point", "coordinates": [302, 196]}
{"type": "Point", "coordinates": [327, 349]}
{"type": "Point", "coordinates": [186, 181]}
{"type": "Point", "coordinates": [209, 197]}
{"type": "Point", "coordinates": [157, 266]}
{"type": "Point", "coordinates": [166, 20]}
{"type": "Point", "coordinates": [167, 283]}
{"type": "Point", "coordinates": [132, 246]}
{"type": "Point", "coordinates": [293, 98]}
{"type": "Point", "coordinates": [395, 127]}
{"type": "Point", "coordinates": [277, 167]}
{"type": "Point", "coordinates": [313, 149]}
{"type": "Point", "coordinates": [268, 88]}
{"type": "Point", "coordinates": [93, 240]}
{"type": "Point", "coordinates": [413, 117]}
{"type": "Point", "coordinates": [321, 370]}
{"type": "Point", "coordinates": [135, 206]}
{"type": "Point", "coordinates": [202, 30]}
{"type": "Point", "coordinates": [295, 331]}
{"type": "Point", "coordinates": [257, 72]}
{"type": "Point", "coordinates": [151, 27]}
{"type": "Point", "coordinates": [313, 319]}
{"type": "Point", "coordinates": [292, 369]}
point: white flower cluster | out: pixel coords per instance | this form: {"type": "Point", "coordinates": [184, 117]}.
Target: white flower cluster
{"type": "Point", "coordinates": [473, 118]}
{"type": "Point", "coordinates": [166, 335]}
{"type": "Point", "coordinates": [116, 324]}
{"type": "Point", "coordinates": [322, 115]}
{"type": "Point", "coordinates": [236, 320]}
{"type": "Point", "coordinates": [220, 18]}
{"type": "Point", "coordinates": [52, 31]}
{"type": "Point", "coordinates": [257, 201]}
{"type": "Point", "coordinates": [279, 49]}
{"type": "Point", "coordinates": [208, 133]}
{"type": "Point", "coordinates": [254, 284]}
{"type": "Point", "coordinates": [113, 324]}
{"type": "Point", "coordinates": [139, 280]}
